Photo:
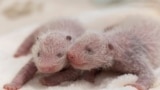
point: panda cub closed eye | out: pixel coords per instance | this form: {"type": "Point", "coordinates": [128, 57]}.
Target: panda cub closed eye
{"type": "Point", "coordinates": [38, 54]}
{"type": "Point", "coordinates": [59, 55]}
{"type": "Point", "coordinates": [37, 38]}
{"type": "Point", "coordinates": [69, 38]}
{"type": "Point", "coordinates": [89, 50]}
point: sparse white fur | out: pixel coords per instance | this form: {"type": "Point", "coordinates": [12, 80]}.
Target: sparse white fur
{"type": "Point", "coordinates": [133, 46]}
{"type": "Point", "coordinates": [52, 44]}
{"type": "Point", "coordinates": [51, 48]}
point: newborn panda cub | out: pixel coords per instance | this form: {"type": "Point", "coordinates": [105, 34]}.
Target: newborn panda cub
{"type": "Point", "coordinates": [130, 47]}
{"type": "Point", "coordinates": [50, 44]}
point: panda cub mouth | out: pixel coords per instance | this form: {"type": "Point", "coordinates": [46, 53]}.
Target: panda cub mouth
{"type": "Point", "coordinates": [47, 69]}
{"type": "Point", "coordinates": [78, 65]}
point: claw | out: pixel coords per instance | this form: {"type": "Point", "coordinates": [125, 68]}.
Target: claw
{"type": "Point", "coordinates": [137, 86]}
{"type": "Point", "coordinates": [11, 86]}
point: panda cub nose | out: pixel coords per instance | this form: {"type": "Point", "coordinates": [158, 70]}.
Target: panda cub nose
{"type": "Point", "coordinates": [70, 56]}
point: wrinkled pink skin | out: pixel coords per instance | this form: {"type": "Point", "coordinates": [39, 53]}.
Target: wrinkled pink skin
{"type": "Point", "coordinates": [29, 70]}
{"type": "Point", "coordinates": [91, 75]}
{"type": "Point", "coordinates": [59, 74]}
{"type": "Point", "coordinates": [24, 75]}
{"type": "Point", "coordinates": [133, 46]}
{"type": "Point", "coordinates": [67, 74]}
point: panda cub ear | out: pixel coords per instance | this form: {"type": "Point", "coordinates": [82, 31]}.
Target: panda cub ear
{"type": "Point", "coordinates": [69, 38]}
{"type": "Point", "coordinates": [110, 46]}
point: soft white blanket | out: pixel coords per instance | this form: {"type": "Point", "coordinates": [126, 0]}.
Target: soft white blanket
{"type": "Point", "coordinates": [9, 66]}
